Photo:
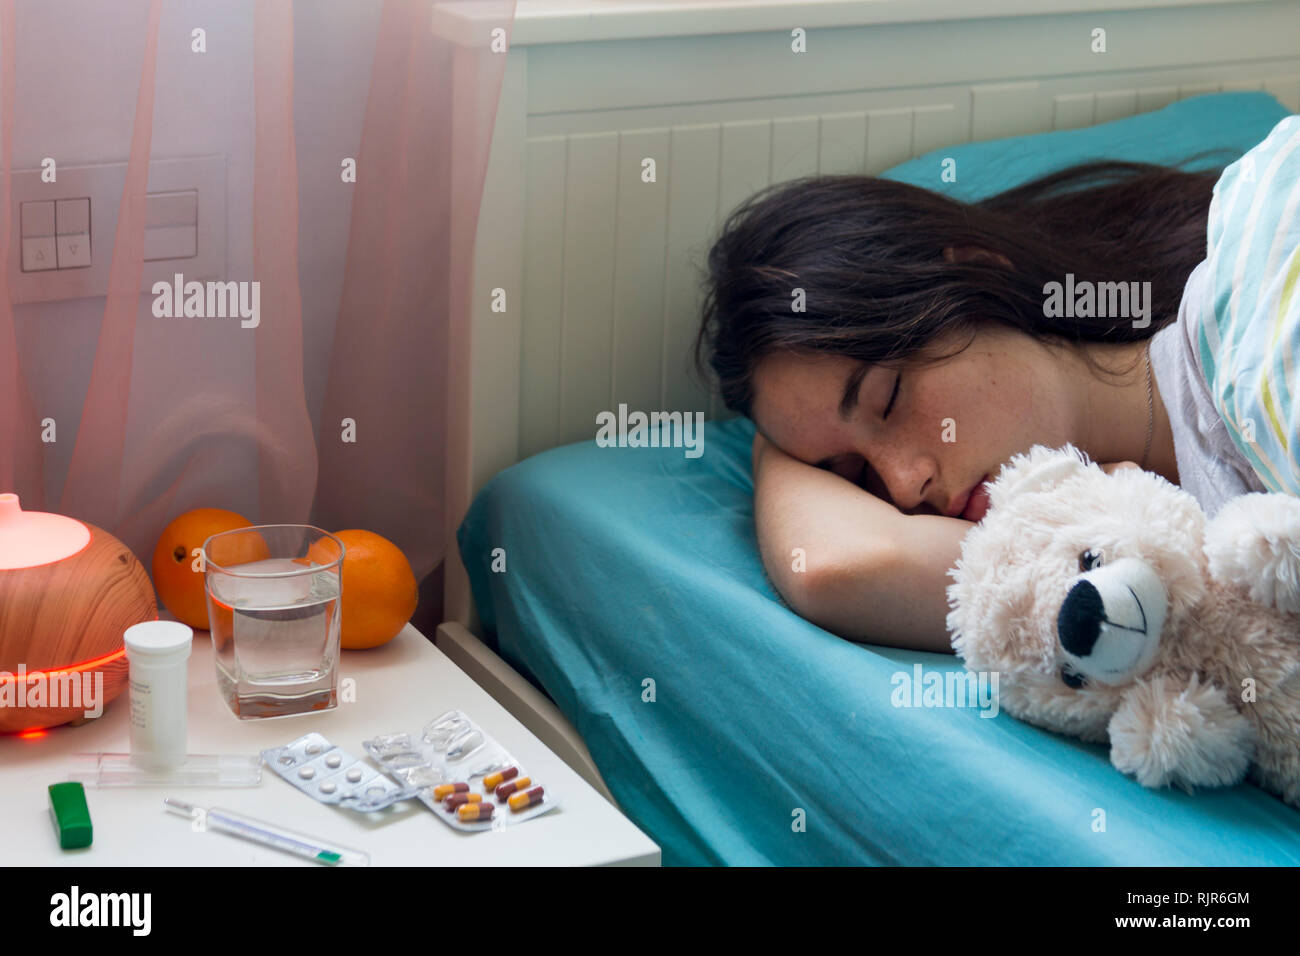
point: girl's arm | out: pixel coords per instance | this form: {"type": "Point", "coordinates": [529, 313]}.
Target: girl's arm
{"type": "Point", "coordinates": [872, 572]}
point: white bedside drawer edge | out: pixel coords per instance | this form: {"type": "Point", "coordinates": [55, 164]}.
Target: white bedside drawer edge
{"type": "Point", "coordinates": [525, 702]}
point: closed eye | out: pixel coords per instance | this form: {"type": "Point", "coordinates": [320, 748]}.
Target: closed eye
{"type": "Point", "coordinates": [893, 396]}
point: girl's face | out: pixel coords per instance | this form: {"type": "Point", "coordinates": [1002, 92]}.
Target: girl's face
{"type": "Point", "coordinates": [925, 437]}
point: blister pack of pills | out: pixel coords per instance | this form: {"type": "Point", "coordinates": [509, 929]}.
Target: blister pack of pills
{"type": "Point", "coordinates": [475, 783]}
{"type": "Point", "coordinates": [330, 774]}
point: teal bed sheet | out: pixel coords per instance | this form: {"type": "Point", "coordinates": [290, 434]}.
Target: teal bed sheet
{"type": "Point", "coordinates": [734, 732]}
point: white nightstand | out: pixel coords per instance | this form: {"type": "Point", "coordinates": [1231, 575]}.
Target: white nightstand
{"type": "Point", "coordinates": [399, 687]}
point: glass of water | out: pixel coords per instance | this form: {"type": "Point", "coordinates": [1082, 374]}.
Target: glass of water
{"type": "Point", "coordinates": [273, 610]}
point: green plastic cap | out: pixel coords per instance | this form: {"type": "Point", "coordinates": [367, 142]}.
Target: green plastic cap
{"type": "Point", "coordinates": [70, 814]}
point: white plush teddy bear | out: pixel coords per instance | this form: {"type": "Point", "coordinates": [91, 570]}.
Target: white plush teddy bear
{"type": "Point", "coordinates": [1111, 609]}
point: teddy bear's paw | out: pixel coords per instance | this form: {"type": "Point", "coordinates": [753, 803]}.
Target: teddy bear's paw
{"type": "Point", "coordinates": [1173, 732]}
{"type": "Point", "coordinates": [1253, 546]}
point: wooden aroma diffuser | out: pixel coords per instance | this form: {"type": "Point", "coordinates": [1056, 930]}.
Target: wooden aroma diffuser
{"type": "Point", "coordinates": [67, 592]}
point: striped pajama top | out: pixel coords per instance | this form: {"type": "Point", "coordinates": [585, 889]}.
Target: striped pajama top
{"type": "Point", "coordinates": [1227, 370]}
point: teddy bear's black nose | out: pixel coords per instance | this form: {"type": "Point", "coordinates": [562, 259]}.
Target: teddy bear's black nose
{"type": "Point", "coordinates": [1080, 619]}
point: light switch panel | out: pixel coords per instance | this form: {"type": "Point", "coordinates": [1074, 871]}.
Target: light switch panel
{"type": "Point", "coordinates": [67, 228]}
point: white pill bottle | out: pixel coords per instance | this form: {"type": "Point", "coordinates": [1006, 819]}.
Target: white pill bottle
{"type": "Point", "coordinates": [158, 654]}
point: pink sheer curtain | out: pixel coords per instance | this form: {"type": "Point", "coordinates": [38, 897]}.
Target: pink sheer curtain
{"type": "Point", "coordinates": [156, 416]}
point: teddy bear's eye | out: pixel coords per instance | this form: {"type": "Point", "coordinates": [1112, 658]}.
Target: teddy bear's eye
{"type": "Point", "coordinates": [1072, 679]}
{"type": "Point", "coordinates": [1089, 560]}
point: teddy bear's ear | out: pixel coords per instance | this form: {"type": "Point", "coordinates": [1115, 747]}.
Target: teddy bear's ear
{"type": "Point", "coordinates": [1040, 469]}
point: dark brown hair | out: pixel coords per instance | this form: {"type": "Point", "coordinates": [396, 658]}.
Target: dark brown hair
{"type": "Point", "coordinates": [869, 255]}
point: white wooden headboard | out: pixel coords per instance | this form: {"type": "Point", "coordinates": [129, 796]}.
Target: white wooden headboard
{"type": "Point", "coordinates": [602, 271]}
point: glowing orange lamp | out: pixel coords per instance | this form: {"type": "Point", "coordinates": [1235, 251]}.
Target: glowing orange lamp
{"type": "Point", "coordinates": [67, 592]}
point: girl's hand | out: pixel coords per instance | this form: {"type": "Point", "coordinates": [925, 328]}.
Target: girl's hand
{"type": "Point", "coordinates": [1111, 467]}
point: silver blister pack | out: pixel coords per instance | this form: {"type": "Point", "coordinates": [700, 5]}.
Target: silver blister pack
{"type": "Point", "coordinates": [452, 750]}
{"type": "Point", "coordinates": [330, 774]}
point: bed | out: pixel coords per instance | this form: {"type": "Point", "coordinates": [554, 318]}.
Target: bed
{"type": "Point", "coordinates": [614, 600]}
{"type": "Point", "coordinates": [628, 565]}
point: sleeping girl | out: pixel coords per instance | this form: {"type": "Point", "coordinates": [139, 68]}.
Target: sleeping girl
{"type": "Point", "coordinates": [895, 347]}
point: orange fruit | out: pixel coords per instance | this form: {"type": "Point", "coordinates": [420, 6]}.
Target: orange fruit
{"type": "Point", "coordinates": [379, 587]}
{"type": "Point", "coordinates": [179, 586]}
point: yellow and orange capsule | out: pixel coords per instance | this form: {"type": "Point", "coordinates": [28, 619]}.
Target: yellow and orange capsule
{"type": "Point", "coordinates": [512, 786]}
{"type": "Point", "coordinates": [460, 799]}
{"type": "Point", "coordinates": [470, 812]}
{"type": "Point", "coordinates": [525, 799]}
{"type": "Point", "coordinates": [445, 790]}
{"type": "Point", "coordinates": [494, 780]}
